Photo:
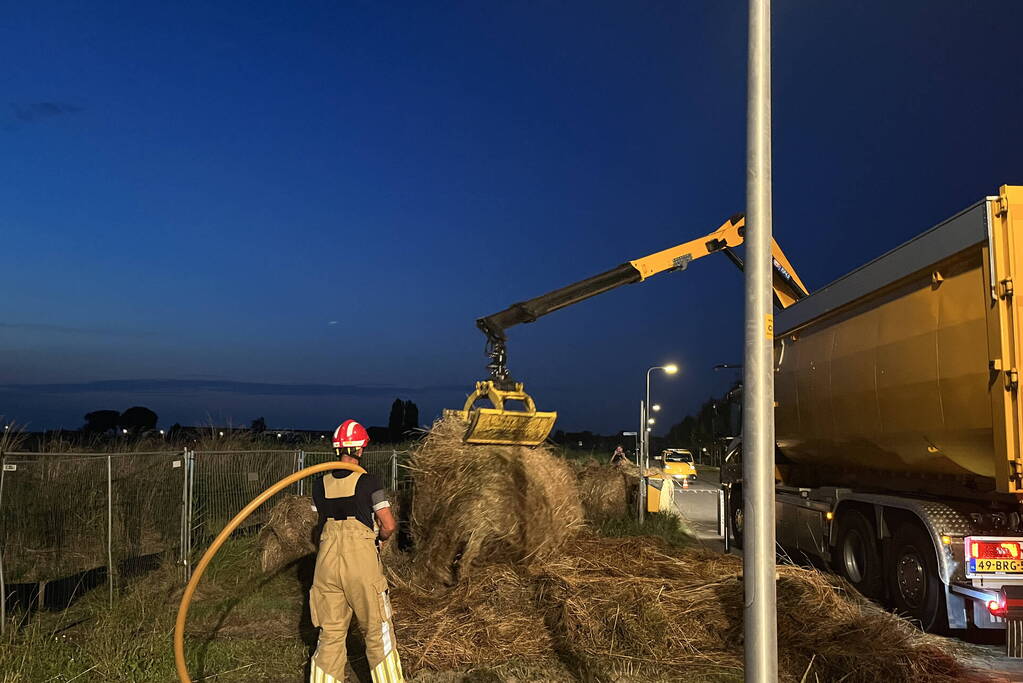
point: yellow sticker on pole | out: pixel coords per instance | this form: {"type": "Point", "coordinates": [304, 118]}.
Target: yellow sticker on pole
{"type": "Point", "coordinates": [769, 325]}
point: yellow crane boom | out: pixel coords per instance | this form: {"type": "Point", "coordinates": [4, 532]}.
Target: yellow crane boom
{"type": "Point", "coordinates": [504, 425]}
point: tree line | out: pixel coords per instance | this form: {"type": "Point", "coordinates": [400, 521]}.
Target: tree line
{"type": "Point", "coordinates": [402, 424]}
{"type": "Point", "coordinates": [717, 418]}
{"type": "Point", "coordinates": [135, 420]}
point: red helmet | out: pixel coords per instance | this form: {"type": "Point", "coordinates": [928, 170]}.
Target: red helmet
{"type": "Point", "coordinates": [351, 434]}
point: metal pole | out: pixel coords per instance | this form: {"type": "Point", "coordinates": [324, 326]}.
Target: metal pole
{"type": "Point", "coordinates": [722, 530]}
{"type": "Point", "coordinates": [646, 426]}
{"type": "Point", "coordinates": [726, 505]}
{"type": "Point", "coordinates": [110, 529]}
{"type": "Point", "coordinates": [3, 586]}
{"type": "Point", "coordinates": [394, 470]}
{"type": "Point", "coordinates": [301, 466]}
{"type": "Point", "coordinates": [183, 548]}
{"type": "Point", "coordinates": [190, 462]}
{"type": "Point", "coordinates": [760, 614]}
{"type": "Point", "coordinates": [639, 437]}
{"type": "Point", "coordinates": [639, 457]}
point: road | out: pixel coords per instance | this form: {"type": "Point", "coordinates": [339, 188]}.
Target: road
{"type": "Point", "coordinates": [698, 506]}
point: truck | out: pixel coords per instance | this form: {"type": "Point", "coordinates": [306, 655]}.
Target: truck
{"type": "Point", "coordinates": [898, 424]}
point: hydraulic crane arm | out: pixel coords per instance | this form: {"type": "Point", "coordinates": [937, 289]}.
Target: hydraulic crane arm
{"type": "Point", "coordinates": [788, 288]}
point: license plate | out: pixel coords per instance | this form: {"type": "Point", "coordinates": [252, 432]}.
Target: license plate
{"type": "Point", "coordinates": [979, 566]}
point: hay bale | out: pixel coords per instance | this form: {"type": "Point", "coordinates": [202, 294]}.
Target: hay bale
{"type": "Point", "coordinates": [481, 504]}
{"type": "Point", "coordinates": [288, 534]}
{"type": "Point", "coordinates": [637, 610]}
{"type": "Point", "coordinates": [603, 491]}
{"type": "Point", "coordinates": [634, 609]}
{"type": "Point", "coordinates": [486, 620]}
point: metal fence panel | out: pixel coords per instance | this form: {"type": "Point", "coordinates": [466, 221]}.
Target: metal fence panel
{"type": "Point", "coordinates": [111, 516]}
{"type": "Point", "coordinates": [145, 509]}
{"type": "Point", "coordinates": [702, 510]}
{"type": "Point", "coordinates": [224, 482]}
{"type": "Point", "coordinates": [53, 516]}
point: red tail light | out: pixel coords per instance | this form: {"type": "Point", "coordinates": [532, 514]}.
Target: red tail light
{"type": "Point", "coordinates": [996, 550]}
{"type": "Point", "coordinates": [997, 608]}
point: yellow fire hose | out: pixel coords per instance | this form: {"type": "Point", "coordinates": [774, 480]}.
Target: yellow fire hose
{"type": "Point", "coordinates": [186, 599]}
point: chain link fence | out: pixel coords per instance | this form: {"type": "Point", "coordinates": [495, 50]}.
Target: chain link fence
{"type": "Point", "coordinates": [88, 519]}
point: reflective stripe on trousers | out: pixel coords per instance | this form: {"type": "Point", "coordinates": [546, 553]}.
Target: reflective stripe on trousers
{"type": "Point", "coordinates": [349, 580]}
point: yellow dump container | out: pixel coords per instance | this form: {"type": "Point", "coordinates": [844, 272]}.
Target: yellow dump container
{"type": "Point", "coordinates": [909, 365]}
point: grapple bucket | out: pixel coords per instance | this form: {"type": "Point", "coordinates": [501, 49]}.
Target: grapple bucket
{"type": "Point", "coordinates": [504, 426]}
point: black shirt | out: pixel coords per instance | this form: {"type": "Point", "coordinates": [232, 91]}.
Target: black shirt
{"type": "Point", "coordinates": [369, 497]}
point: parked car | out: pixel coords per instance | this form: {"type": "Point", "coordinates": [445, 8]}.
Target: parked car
{"type": "Point", "coordinates": [678, 463]}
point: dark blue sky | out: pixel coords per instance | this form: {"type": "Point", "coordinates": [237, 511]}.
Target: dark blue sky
{"type": "Point", "coordinates": [195, 193]}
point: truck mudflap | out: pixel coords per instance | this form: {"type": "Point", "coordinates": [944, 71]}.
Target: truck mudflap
{"type": "Point", "coordinates": [1003, 606]}
{"type": "Point", "coordinates": [1013, 606]}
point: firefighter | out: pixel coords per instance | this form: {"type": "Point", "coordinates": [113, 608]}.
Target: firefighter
{"type": "Point", "coordinates": [355, 518]}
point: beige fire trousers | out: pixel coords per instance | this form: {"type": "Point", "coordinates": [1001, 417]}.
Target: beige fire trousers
{"type": "Point", "coordinates": [349, 579]}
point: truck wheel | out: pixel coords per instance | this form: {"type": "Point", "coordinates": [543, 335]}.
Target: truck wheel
{"type": "Point", "coordinates": [916, 590]}
{"type": "Point", "coordinates": [736, 510]}
{"type": "Point", "coordinates": [857, 558]}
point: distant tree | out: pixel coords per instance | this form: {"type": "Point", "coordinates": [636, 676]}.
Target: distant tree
{"type": "Point", "coordinates": [174, 432]}
{"type": "Point", "coordinates": [396, 422]}
{"type": "Point", "coordinates": [411, 421]}
{"type": "Point", "coordinates": [138, 419]}
{"type": "Point", "coordinates": [716, 418]}
{"type": "Point", "coordinates": [100, 421]}
{"type": "Point", "coordinates": [258, 425]}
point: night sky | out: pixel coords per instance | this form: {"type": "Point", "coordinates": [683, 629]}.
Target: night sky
{"type": "Point", "coordinates": [298, 210]}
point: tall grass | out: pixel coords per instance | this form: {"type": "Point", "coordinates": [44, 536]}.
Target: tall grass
{"type": "Point", "coordinates": [12, 435]}
{"type": "Point", "coordinates": [243, 627]}
{"type": "Point", "coordinates": [667, 527]}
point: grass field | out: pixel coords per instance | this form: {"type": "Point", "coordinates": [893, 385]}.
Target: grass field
{"type": "Point", "coordinates": [243, 626]}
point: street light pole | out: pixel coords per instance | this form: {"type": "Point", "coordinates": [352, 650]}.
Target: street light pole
{"type": "Point", "coordinates": [641, 440]}
{"type": "Point", "coordinates": [644, 429]}
{"type": "Point", "coordinates": [760, 613]}
{"type": "Point", "coordinates": [670, 370]}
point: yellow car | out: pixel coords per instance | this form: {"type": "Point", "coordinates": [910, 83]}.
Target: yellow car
{"type": "Point", "coordinates": [677, 463]}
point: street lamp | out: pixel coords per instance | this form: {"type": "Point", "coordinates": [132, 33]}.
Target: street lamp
{"type": "Point", "coordinates": [669, 369]}
{"type": "Point", "coordinates": [655, 407]}
{"type": "Point", "coordinates": [644, 423]}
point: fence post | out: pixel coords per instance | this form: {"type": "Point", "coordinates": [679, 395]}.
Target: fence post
{"type": "Point", "coordinates": [3, 586]}
{"type": "Point", "coordinates": [301, 466]}
{"type": "Point", "coordinates": [110, 528]}
{"type": "Point", "coordinates": [190, 478]}
{"type": "Point", "coordinates": [183, 525]}
{"type": "Point", "coordinates": [394, 470]}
